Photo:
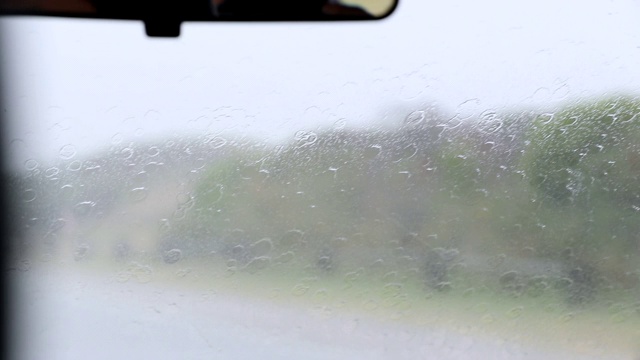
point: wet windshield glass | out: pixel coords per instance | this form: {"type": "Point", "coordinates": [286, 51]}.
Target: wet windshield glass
{"type": "Point", "coordinates": [459, 181]}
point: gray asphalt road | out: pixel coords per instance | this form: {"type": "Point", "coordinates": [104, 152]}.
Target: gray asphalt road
{"type": "Point", "coordinates": [79, 317]}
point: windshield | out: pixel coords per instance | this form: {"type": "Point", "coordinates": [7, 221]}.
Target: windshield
{"type": "Point", "coordinates": [458, 181]}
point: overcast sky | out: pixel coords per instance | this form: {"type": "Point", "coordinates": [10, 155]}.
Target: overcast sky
{"type": "Point", "coordinates": [93, 83]}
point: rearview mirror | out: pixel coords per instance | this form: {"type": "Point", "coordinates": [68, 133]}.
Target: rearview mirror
{"type": "Point", "coordinates": [163, 17]}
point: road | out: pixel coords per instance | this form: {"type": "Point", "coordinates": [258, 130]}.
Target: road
{"type": "Point", "coordinates": [90, 317]}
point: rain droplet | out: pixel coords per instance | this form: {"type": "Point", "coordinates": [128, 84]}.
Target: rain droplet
{"type": "Point", "coordinates": [467, 109]}
{"type": "Point", "coordinates": [487, 146]}
{"type": "Point", "coordinates": [117, 138]}
{"type": "Point", "coordinates": [409, 151]}
{"type": "Point", "coordinates": [83, 208]}
{"type": "Point", "coordinates": [199, 164]}
{"type": "Point", "coordinates": [51, 172]}
{"type": "Point", "coordinates": [541, 94]}
{"type": "Point", "coordinates": [516, 312]}
{"type": "Point", "coordinates": [214, 194]}
{"type": "Point", "coordinates": [138, 194]}
{"type": "Point", "coordinates": [126, 153]}
{"type": "Point", "coordinates": [415, 118]}
{"type": "Point", "coordinates": [153, 151]}
{"type": "Point", "coordinates": [370, 305]}
{"type": "Point", "coordinates": [285, 257]}
{"type": "Point", "coordinates": [80, 252]}
{"type": "Point", "coordinates": [165, 225]}
{"type": "Point", "coordinates": [305, 138]}
{"type": "Point", "coordinates": [257, 264]}
{"type": "Point", "coordinates": [291, 239]}
{"type": "Point", "coordinates": [31, 164]}
{"type": "Point", "coordinates": [141, 178]}
{"type": "Point", "coordinates": [67, 152]}
{"type": "Point", "coordinates": [74, 165]}
{"type": "Point", "coordinates": [172, 256]}
{"type": "Point", "coordinates": [217, 142]}
{"type": "Point", "coordinates": [50, 239]}
{"type": "Point", "coordinates": [491, 127]}
{"type": "Point", "coordinates": [29, 195]}
{"type": "Point", "coordinates": [66, 191]}
{"type": "Point", "coordinates": [372, 151]}
{"type": "Point", "coordinates": [261, 247]}
{"type": "Point", "coordinates": [184, 198]}
{"type": "Point", "coordinates": [183, 272]}
{"type": "Point", "coordinates": [545, 118]}
{"type": "Point", "coordinates": [152, 166]}
{"type": "Point", "coordinates": [561, 92]}
{"type": "Point", "coordinates": [300, 290]}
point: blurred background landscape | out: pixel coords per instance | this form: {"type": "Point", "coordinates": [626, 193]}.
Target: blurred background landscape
{"type": "Point", "coordinates": [460, 166]}
{"type": "Point", "coordinates": [541, 208]}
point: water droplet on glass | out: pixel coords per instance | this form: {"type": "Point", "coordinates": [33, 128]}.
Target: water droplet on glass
{"type": "Point", "coordinates": [261, 247]}
{"type": "Point", "coordinates": [561, 92]}
{"type": "Point", "coordinates": [467, 109]}
{"type": "Point", "coordinates": [67, 191]}
{"type": "Point", "coordinates": [183, 272]}
{"type": "Point", "coordinates": [258, 263]}
{"type": "Point", "coordinates": [83, 208]}
{"type": "Point", "coordinates": [305, 138]}
{"type": "Point", "coordinates": [217, 142]}
{"type": "Point", "coordinates": [199, 164]}
{"type": "Point", "coordinates": [184, 198]}
{"type": "Point", "coordinates": [141, 179]}
{"type": "Point", "coordinates": [117, 138]}
{"type": "Point", "coordinates": [488, 318]}
{"type": "Point", "coordinates": [490, 127]}
{"type": "Point", "coordinates": [138, 194]}
{"type": "Point", "coordinates": [300, 289]}
{"type": "Point", "coordinates": [51, 172]}
{"type": "Point", "coordinates": [291, 239]}
{"type": "Point", "coordinates": [29, 195]}
{"type": "Point", "coordinates": [541, 94]}
{"type": "Point", "coordinates": [487, 146]}
{"type": "Point", "coordinates": [74, 165]}
{"type": "Point", "coordinates": [153, 151]}
{"type": "Point", "coordinates": [80, 252]}
{"type": "Point", "coordinates": [67, 152]}
{"type": "Point", "coordinates": [415, 118]}
{"type": "Point", "coordinates": [165, 225]}
{"type": "Point", "coordinates": [126, 153]}
{"type": "Point", "coordinates": [172, 256]}
{"type": "Point", "coordinates": [152, 166]}
{"type": "Point", "coordinates": [409, 151]}
{"type": "Point", "coordinates": [372, 151]}
{"type": "Point", "coordinates": [515, 313]}
{"type": "Point", "coordinates": [545, 118]}
{"type": "Point", "coordinates": [285, 257]}
{"type": "Point", "coordinates": [31, 164]}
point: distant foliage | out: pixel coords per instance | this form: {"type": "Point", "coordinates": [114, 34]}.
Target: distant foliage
{"type": "Point", "coordinates": [548, 187]}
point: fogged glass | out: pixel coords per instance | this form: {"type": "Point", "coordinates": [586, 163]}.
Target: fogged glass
{"type": "Point", "coordinates": [459, 181]}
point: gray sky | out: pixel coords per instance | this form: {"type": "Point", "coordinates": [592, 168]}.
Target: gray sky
{"type": "Point", "coordinates": [94, 83]}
